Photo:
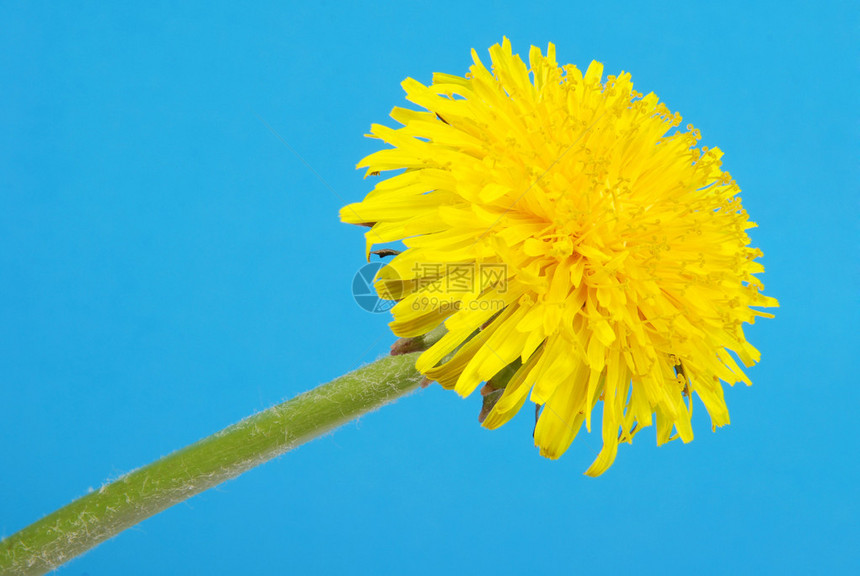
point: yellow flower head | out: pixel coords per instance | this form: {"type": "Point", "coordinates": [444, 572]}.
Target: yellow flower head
{"type": "Point", "coordinates": [576, 248]}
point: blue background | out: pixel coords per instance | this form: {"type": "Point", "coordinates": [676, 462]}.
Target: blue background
{"type": "Point", "coordinates": [169, 266]}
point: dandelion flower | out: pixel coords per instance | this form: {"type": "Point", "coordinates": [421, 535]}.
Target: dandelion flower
{"type": "Point", "coordinates": [576, 246]}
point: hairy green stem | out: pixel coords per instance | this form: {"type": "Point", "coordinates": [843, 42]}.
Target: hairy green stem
{"type": "Point", "coordinates": [100, 515]}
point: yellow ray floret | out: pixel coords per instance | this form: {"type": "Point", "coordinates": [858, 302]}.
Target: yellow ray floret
{"type": "Point", "coordinates": [565, 232]}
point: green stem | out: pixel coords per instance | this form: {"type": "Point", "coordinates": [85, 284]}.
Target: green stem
{"type": "Point", "coordinates": [92, 519]}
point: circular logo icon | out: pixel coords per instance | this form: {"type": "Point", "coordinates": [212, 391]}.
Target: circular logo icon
{"type": "Point", "coordinates": [363, 291]}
